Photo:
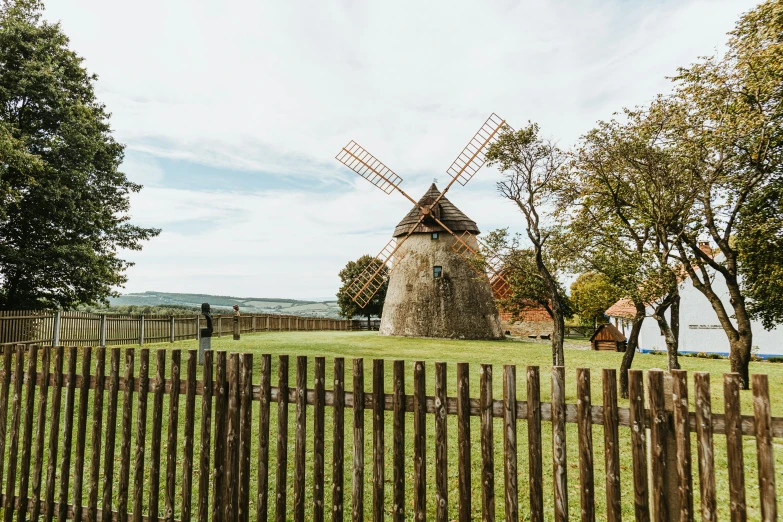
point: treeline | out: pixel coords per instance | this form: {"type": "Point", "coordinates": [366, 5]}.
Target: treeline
{"type": "Point", "coordinates": [142, 309]}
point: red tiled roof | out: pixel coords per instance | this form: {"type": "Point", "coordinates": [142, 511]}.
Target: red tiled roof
{"type": "Point", "coordinates": [623, 308]}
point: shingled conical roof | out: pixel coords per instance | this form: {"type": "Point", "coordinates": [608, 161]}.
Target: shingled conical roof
{"type": "Point", "coordinates": [450, 215]}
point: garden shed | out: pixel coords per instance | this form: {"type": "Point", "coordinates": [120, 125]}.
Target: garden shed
{"type": "Point", "coordinates": [608, 337]}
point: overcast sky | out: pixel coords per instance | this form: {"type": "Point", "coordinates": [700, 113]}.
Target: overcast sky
{"type": "Point", "coordinates": [232, 113]}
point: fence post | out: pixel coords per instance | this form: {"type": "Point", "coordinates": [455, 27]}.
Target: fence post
{"type": "Point", "coordinates": [231, 506]}
{"type": "Point", "coordinates": [585, 441]}
{"type": "Point", "coordinates": [611, 446]}
{"type": "Point", "coordinates": [281, 470]}
{"type": "Point", "coordinates": [56, 329]}
{"type": "Point", "coordinates": [245, 420]}
{"type": "Point", "coordinates": [734, 453]}
{"type": "Point", "coordinates": [510, 441]}
{"type": "Point", "coordinates": [220, 325]}
{"type": "Point", "coordinates": [680, 460]}
{"type": "Point", "coordinates": [300, 438]}
{"type": "Point", "coordinates": [398, 442]}
{"type": "Point", "coordinates": [463, 441]}
{"type": "Point", "coordinates": [535, 460]}
{"type": "Point", "coordinates": [319, 378]}
{"type": "Point", "coordinates": [487, 444]}
{"type": "Point", "coordinates": [441, 442]}
{"type": "Point", "coordinates": [102, 334]}
{"type": "Point", "coordinates": [378, 479]}
{"type": "Point", "coordinates": [559, 458]}
{"type": "Point", "coordinates": [638, 444]}
{"type": "Point", "coordinates": [141, 330]}
{"type": "Point", "coordinates": [419, 442]}
{"type": "Point", "coordinates": [338, 440]}
{"type": "Point", "coordinates": [357, 478]}
{"type": "Point", "coordinates": [265, 404]}
{"type": "Point", "coordinates": [764, 445]}
{"type": "Point", "coordinates": [171, 329]}
{"type": "Point", "coordinates": [705, 447]}
{"type": "Point", "coordinates": [664, 494]}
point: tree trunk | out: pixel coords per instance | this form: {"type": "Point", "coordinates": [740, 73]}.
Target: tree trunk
{"type": "Point", "coordinates": [369, 326]}
{"type": "Point", "coordinates": [630, 350]}
{"type": "Point", "coordinates": [672, 339]}
{"type": "Point", "coordinates": [741, 336]}
{"type": "Point", "coordinates": [558, 357]}
{"type": "Point", "coordinates": [557, 312]}
{"type": "Point", "coordinates": [675, 328]}
{"type": "Point", "coordinates": [739, 357]}
{"type": "Point", "coordinates": [740, 348]}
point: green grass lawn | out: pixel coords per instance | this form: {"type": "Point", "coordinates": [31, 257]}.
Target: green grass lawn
{"type": "Point", "coordinates": [371, 346]}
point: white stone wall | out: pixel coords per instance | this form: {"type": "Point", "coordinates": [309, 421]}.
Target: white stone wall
{"type": "Point", "coordinates": [700, 330]}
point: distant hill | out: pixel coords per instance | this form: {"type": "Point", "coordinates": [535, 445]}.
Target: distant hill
{"type": "Point", "coordinates": [223, 303]}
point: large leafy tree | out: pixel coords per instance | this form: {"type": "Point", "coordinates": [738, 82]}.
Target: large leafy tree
{"type": "Point", "coordinates": [18, 167]}
{"type": "Point", "coordinates": [733, 137]}
{"type": "Point", "coordinates": [591, 294]}
{"type": "Point", "coordinates": [63, 201]}
{"type": "Point", "coordinates": [348, 307]}
{"type": "Point", "coordinates": [631, 197]}
{"type": "Point", "coordinates": [534, 173]}
{"type": "Point", "coordinates": [760, 246]}
{"type": "Point", "coordinates": [602, 242]}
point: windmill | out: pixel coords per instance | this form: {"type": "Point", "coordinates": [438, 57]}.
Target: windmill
{"type": "Point", "coordinates": [427, 211]}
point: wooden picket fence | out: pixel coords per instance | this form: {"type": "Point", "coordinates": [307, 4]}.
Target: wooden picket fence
{"type": "Point", "coordinates": [89, 329]}
{"type": "Point", "coordinates": [214, 479]}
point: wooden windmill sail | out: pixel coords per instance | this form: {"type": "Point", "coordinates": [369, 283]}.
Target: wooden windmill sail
{"type": "Point", "coordinates": [461, 171]}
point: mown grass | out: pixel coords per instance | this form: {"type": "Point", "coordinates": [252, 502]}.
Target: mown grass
{"type": "Point", "coordinates": [371, 346]}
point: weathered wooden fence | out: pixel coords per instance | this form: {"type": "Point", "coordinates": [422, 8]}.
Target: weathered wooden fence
{"type": "Point", "coordinates": [89, 329]}
{"type": "Point", "coordinates": [208, 477]}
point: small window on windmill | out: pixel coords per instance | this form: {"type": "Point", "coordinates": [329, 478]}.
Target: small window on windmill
{"type": "Point", "coordinates": [434, 236]}
{"type": "Point", "coordinates": [436, 271]}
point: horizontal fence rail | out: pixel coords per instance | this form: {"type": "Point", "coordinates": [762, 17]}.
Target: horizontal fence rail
{"type": "Point", "coordinates": [128, 438]}
{"type": "Point", "coordinates": [89, 329]}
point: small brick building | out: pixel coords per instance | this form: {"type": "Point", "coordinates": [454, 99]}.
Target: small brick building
{"type": "Point", "coordinates": [534, 321]}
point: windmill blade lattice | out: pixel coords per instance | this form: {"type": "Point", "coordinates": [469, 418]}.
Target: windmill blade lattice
{"type": "Point", "coordinates": [359, 160]}
{"type": "Point", "coordinates": [377, 272]}
{"type": "Point", "coordinates": [462, 170]}
{"type": "Point", "coordinates": [484, 261]}
{"type": "Point", "coordinates": [473, 156]}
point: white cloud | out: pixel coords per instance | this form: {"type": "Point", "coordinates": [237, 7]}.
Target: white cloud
{"type": "Point", "coordinates": [269, 244]}
{"type": "Point", "coordinates": [409, 80]}
{"type": "Point", "coordinates": [279, 87]}
{"type": "Point", "coordinates": [142, 170]}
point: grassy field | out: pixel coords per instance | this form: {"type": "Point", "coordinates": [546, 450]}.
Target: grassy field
{"type": "Point", "coordinates": [370, 346]}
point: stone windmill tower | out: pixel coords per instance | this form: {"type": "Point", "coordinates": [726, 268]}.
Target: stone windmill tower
{"type": "Point", "coordinates": [442, 282]}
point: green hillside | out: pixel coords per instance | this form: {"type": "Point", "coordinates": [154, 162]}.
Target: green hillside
{"type": "Point", "coordinates": [222, 303]}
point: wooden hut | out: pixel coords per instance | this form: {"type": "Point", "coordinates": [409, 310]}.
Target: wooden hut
{"type": "Point", "coordinates": [608, 337]}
